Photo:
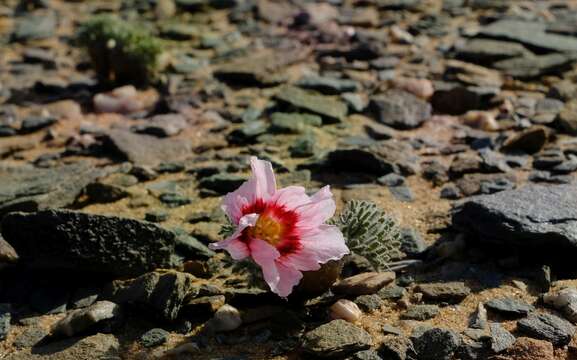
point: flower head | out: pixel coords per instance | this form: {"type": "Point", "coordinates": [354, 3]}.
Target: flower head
{"type": "Point", "coordinates": [283, 230]}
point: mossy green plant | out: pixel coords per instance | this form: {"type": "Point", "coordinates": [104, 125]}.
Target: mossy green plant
{"type": "Point", "coordinates": [370, 232]}
{"type": "Point", "coordinates": [121, 52]}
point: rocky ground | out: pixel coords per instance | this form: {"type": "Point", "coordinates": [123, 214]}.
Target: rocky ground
{"type": "Point", "coordinates": [456, 117]}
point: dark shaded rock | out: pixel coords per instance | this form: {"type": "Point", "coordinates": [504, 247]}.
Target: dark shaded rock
{"type": "Point", "coordinates": [529, 141]}
{"type": "Point", "coordinates": [222, 183]}
{"type": "Point", "coordinates": [329, 108]}
{"type": "Point", "coordinates": [547, 327]}
{"type": "Point", "coordinates": [452, 293]}
{"type": "Point", "coordinates": [30, 189]}
{"type": "Point", "coordinates": [146, 149]}
{"type": "Point", "coordinates": [457, 99]}
{"type": "Point", "coordinates": [93, 318]}
{"type": "Point", "coordinates": [400, 109]}
{"type": "Point", "coordinates": [35, 123]}
{"type": "Point", "coordinates": [501, 339]}
{"type": "Point", "coordinates": [369, 302]}
{"type": "Point", "coordinates": [336, 339]}
{"type": "Point", "coordinates": [174, 199]}
{"type": "Point", "coordinates": [508, 306]}
{"type": "Point", "coordinates": [395, 348]}
{"type": "Point", "coordinates": [84, 297]}
{"type": "Point", "coordinates": [154, 337]}
{"type": "Point", "coordinates": [451, 192]}
{"type": "Point", "coordinates": [465, 163]}
{"type": "Point", "coordinates": [436, 344]}
{"type": "Point", "coordinates": [163, 292]}
{"type": "Point", "coordinates": [533, 217]}
{"type": "Point", "coordinates": [328, 85]}
{"type": "Point", "coordinates": [61, 239]}
{"type": "Point", "coordinates": [420, 312]}
{"type": "Point", "coordinates": [412, 243]}
{"type": "Point", "coordinates": [304, 146]}
{"type": "Point", "coordinates": [49, 299]}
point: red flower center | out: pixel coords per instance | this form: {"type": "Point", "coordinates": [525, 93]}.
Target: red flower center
{"type": "Point", "coordinates": [275, 225]}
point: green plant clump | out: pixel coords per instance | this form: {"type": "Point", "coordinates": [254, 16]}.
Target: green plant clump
{"type": "Point", "coordinates": [370, 232]}
{"type": "Point", "coordinates": [121, 52]}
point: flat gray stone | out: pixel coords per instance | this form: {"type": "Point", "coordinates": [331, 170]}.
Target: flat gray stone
{"type": "Point", "coordinates": [329, 108]}
{"type": "Point", "coordinates": [537, 217]}
{"type": "Point", "coordinates": [501, 339]}
{"type": "Point", "coordinates": [547, 327]}
{"type": "Point", "coordinates": [400, 109]}
{"type": "Point", "coordinates": [508, 306]}
{"type": "Point", "coordinates": [452, 292]}
{"type": "Point", "coordinates": [63, 239]}
{"type": "Point", "coordinates": [28, 189]}
{"type": "Point", "coordinates": [420, 312]}
{"type": "Point", "coordinates": [529, 33]}
{"type": "Point", "coordinates": [336, 339]}
{"type": "Point", "coordinates": [81, 320]}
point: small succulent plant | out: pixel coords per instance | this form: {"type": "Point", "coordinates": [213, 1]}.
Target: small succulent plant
{"type": "Point", "coordinates": [370, 232]}
{"type": "Point", "coordinates": [121, 52]}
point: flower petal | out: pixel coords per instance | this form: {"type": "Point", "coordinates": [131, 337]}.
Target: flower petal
{"type": "Point", "coordinates": [291, 197]}
{"type": "Point", "coordinates": [264, 254]}
{"type": "Point", "coordinates": [260, 186]}
{"type": "Point", "coordinates": [317, 247]}
{"type": "Point", "coordinates": [321, 208]}
{"type": "Point", "coordinates": [236, 248]}
{"type": "Point", "coordinates": [289, 278]}
{"type": "Point", "coordinates": [265, 182]}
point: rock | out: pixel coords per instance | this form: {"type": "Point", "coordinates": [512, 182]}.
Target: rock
{"type": "Point", "coordinates": [293, 123]}
{"type": "Point", "coordinates": [30, 337]}
{"type": "Point", "coordinates": [400, 109]}
{"type": "Point", "coordinates": [402, 193]}
{"type": "Point", "coordinates": [422, 88]}
{"type": "Point", "coordinates": [565, 300]}
{"type": "Point", "coordinates": [49, 299]}
{"type": "Point", "coordinates": [369, 303]}
{"type": "Point", "coordinates": [304, 146]}
{"type": "Point", "coordinates": [336, 339]}
{"type": "Point", "coordinates": [346, 310]}
{"type": "Point", "coordinates": [479, 318]}
{"type": "Point", "coordinates": [35, 26]}
{"type": "Point", "coordinates": [533, 217]}
{"type": "Point", "coordinates": [437, 344]}
{"type": "Point", "coordinates": [34, 123]}
{"type": "Point", "coordinates": [62, 239]}
{"type": "Point", "coordinates": [482, 120]}
{"type": "Point", "coordinates": [536, 65]}
{"type": "Point", "coordinates": [501, 339]}
{"type": "Point", "coordinates": [530, 349]}
{"type": "Point", "coordinates": [529, 141]}
{"type": "Point", "coordinates": [531, 34]}
{"type": "Point", "coordinates": [420, 312]}
{"type": "Point", "coordinates": [156, 216]}
{"type": "Point", "coordinates": [328, 85]}
{"type": "Point", "coordinates": [508, 306]}
{"type": "Point", "coordinates": [222, 184]}
{"type": "Point", "coordinates": [392, 292]}
{"type": "Point", "coordinates": [84, 297]}
{"type": "Point", "coordinates": [5, 317]}
{"type": "Point", "coordinates": [31, 189]}
{"type": "Point", "coordinates": [163, 292]}
{"type": "Point", "coordinates": [7, 253]}
{"type": "Point", "coordinates": [82, 320]}
{"type": "Point", "coordinates": [452, 293]}
{"type": "Point", "coordinates": [412, 243]}
{"type": "Point", "coordinates": [154, 337]}
{"type": "Point", "coordinates": [473, 75]}
{"type": "Point", "coordinates": [165, 125]}
{"type": "Point", "coordinates": [330, 109]}
{"type": "Point", "coordinates": [486, 51]}
{"type": "Point", "coordinates": [548, 327]}
{"type": "Point", "coordinates": [364, 284]}
{"type": "Point", "coordinates": [567, 118]}
{"type": "Point", "coordinates": [146, 149]}
{"type": "Point", "coordinates": [365, 355]}
{"type": "Point", "coordinates": [98, 346]}
{"type": "Point", "coordinates": [456, 99]}
{"type": "Point", "coordinates": [396, 348]}
{"type": "Point", "coordinates": [227, 318]}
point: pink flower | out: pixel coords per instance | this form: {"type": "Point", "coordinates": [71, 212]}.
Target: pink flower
{"type": "Point", "coordinates": [283, 230]}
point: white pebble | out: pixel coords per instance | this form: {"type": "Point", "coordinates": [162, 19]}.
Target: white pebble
{"type": "Point", "coordinates": [346, 310]}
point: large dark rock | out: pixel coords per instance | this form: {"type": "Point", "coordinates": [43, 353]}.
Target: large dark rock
{"type": "Point", "coordinates": [162, 292]}
{"type": "Point", "coordinates": [547, 327]}
{"type": "Point", "coordinates": [336, 340]}
{"type": "Point", "coordinates": [436, 344]}
{"type": "Point", "coordinates": [400, 109]}
{"type": "Point", "coordinates": [529, 218]}
{"type": "Point", "coordinates": [62, 239]}
{"type": "Point", "coordinates": [30, 189]}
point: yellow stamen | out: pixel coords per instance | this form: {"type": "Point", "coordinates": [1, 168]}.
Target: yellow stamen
{"type": "Point", "coordinates": [267, 229]}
